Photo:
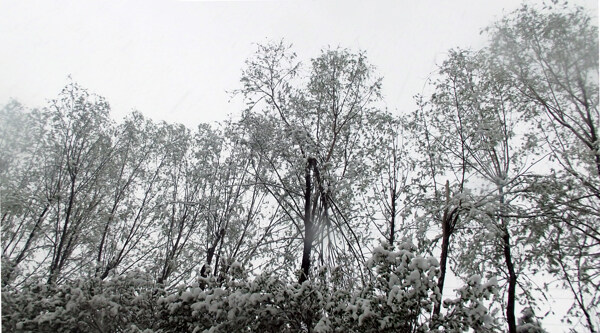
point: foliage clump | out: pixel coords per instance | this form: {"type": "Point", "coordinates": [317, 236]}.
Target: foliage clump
{"type": "Point", "coordinates": [398, 297]}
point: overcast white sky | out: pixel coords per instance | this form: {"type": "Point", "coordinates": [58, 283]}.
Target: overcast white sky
{"type": "Point", "coordinates": [175, 60]}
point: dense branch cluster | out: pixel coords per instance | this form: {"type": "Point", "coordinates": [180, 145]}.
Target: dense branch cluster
{"type": "Point", "coordinates": [317, 210]}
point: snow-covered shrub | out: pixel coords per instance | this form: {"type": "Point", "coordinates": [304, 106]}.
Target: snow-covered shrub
{"type": "Point", "coordinates": [401, 292]}
{"type": "Point", "coordinates": [468, 310]}
{"type": "Point", "coordinates": [398, 297]}
{"type": "Point", "coordinates": [121, 304]}
{"type": "Point", "coordinates": [262, 304]}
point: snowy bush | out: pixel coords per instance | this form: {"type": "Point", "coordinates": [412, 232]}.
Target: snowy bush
{"type": "Point", "coordinates": [469, 311]}
{"type": "Point", "coordinates": [399, 297]}
{"type": "Point", "coordinates": [122, 304]}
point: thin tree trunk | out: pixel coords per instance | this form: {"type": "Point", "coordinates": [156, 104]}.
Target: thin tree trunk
{"type": "Point", "coordinates": [101, 247]}
{"type": "Point", "coordinates": [448, 222]}
{"type": "Point", "coordinates": [443, 262]}
{"type": "Point", "coordinates": [512, 284]}
{"type": "Point", "coordinates": [308, 222]}
{"type": "Point", "coordinates": [210, 254]}
{"type": "Point", "coordinates": [512, 276]}
{"type": "Point", "coordinates": [393, 216]}
{"type": "Point", "coordinates": [25, 249]}
{"type": "Point", "coordinates": [58, 257]}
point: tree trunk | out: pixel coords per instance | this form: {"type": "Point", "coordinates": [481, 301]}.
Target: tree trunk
{"type": "Point", "coordinates": [308, 222]}
{"type": "Point", "coordinates": [24, 251]}
{"type": "Point", "coordinates": [448, 222]}
{"type": "Point", "coordinates": [512, 276]}
{"type": "Point", "coordinates": [512, 284]}
{"type": "Point", "coordinates": [393, 198]}
{"type": "Point", "coordinates": [443, 261]}
{"type": "Point", "coordinates": [210, 253]}
{"type": "Point", "coordinates": [58, 258]}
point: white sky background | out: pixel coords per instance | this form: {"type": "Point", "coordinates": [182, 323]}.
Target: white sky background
{"type": "Point", "coordinates": [176, 60]}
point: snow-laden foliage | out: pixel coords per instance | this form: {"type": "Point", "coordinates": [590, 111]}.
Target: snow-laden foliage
{"type": "Point", "coordinates": [399, 298]}
{"type": "Point", "coordinates": [122, 304]}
